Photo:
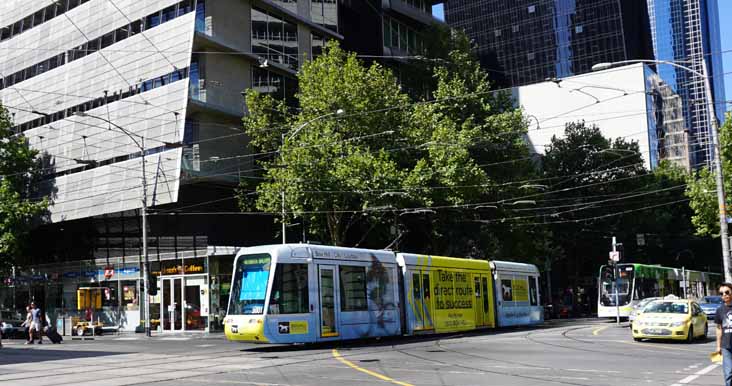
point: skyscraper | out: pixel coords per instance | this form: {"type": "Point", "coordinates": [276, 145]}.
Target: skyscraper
{"type": "Point", "coordinates": [687, 31]}
{"type": "Point", "coordinates": [527, 41]}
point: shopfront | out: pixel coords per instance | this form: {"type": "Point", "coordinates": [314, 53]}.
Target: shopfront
{"type": "Point", "coordinates": [192, 291]}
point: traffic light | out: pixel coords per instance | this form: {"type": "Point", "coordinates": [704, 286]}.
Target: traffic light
{"type": "Point", "coordinates": [152, 282]}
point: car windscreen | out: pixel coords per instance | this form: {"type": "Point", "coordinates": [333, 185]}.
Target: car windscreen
{"type": "Point", "coordinates": [667, 308]}
{"type": "Point", "coordinates": [713, 299]}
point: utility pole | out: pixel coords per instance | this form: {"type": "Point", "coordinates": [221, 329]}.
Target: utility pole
{"type": "Point", "coordinates": [615, 258]}
{"type": "Point", "coordinates": [145, 278]}
{"type": "Point", "coordinates": [719, 177]}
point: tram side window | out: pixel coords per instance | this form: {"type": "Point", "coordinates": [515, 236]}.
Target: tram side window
{"type": "Point", "coordinates": [290, 290]}
{"type": "Point", "coordinates": [379, 286]}
{"type": "Point", "coordinates": [353, 288]}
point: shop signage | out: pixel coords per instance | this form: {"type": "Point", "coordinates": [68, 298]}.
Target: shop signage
{"type": "Point", "coordinates": [108, 272]}
{"type": "Point", "coordinates": [178, 269]}
{"type": "Point", "coordinates": [71, 275]}
{"type": "Point", "coordinates": [90, 274]}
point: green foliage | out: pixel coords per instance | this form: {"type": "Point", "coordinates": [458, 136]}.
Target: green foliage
{"type": "Point", "coordinates": [18, 169]}
{"type": "Point", "coordinates": [357, 177]}
{"type": "Point", "coordinates": [702, 188]}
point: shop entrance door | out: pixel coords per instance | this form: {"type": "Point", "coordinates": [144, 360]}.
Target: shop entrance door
{"type": "Point", "coordinates": [172, 307]}
{"type": "Point", "coordinates": [195, 302]}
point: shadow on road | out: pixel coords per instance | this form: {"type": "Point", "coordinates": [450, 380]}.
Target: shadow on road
{"type": "Point", "coordinates": [403, 340]}
{"type": "Point", "coordinates": [12, 355]}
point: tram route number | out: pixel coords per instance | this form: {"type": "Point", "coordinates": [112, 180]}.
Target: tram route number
{"type": "Point", "coordinates": [294, 327]}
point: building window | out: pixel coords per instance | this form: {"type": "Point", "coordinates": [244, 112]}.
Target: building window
{"type": "Point", "coordinates": [578, 29]}
{"type": "Point", "coordinates": [530, 56]}
{"type": "Point", "coordinates": [532, 8]}
{"type": "Point", "coordinates": [515, 28]}
{"type": "Point", "coordinates": [497, 32]}
{"type": "Point", "coordinates": [353, 288]}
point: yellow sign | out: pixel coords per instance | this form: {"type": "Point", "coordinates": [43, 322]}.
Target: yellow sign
{"type": "Point", "coordinates": [299, 327]}
{"type": "Point", "coordinates": [453, 300]}
{"type": "Point", "coordinates": [520, 290]}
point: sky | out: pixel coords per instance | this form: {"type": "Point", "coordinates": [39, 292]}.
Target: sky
{"type": "Point", "coordinates": [725, 27]}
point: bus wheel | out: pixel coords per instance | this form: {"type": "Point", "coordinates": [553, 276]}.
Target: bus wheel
{"type": "Point", "coordinates": [690, 335]}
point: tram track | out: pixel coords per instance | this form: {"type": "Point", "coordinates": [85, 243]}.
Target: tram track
{"type": "Point", "coordinates": [279, 357]}
{"type": "Point", "coordinates": [564, 334]}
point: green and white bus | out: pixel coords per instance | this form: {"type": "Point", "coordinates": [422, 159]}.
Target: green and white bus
{"type": "Point", "coordinates": [639, 281]}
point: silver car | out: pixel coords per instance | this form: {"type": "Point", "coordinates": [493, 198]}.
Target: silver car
{"type": "Point", "coordinates": [638, 308]}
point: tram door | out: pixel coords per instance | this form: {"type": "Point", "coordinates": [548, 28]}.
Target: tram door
{"type": "Point", "coordinates": [327, 285]}
{"type": "Point", "coordinates": [483, 312]}
{"type": "Point", "coordinates": [422, 300]}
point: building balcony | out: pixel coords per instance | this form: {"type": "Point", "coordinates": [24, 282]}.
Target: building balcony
{"type": "Point", "coordinates": [403, 8]}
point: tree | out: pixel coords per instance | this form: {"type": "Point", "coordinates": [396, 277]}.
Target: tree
{"type": "Point", "coordinates": [19, 168]}
{"type": "Point", "coordinates": [388, 163]}
{"type": "Point", "coordinates": [600, 189]}
{"type": "Point", "coordinates": [702, 187]}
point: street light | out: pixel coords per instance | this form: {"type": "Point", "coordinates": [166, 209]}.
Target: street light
{"type": "Point", "coordinates": [723, 232]}
{"type": "Point", "coordinates": [140, 145]}
{"type": "Point", "coordinates": [286, 137]}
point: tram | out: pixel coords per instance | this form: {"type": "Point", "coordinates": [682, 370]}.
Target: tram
{"type": "Point", "coordinates": [300, 293]}
{"type": "Point", "coordinates": [639, 281]}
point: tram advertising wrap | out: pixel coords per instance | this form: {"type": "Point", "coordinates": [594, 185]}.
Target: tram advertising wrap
{"type": "Point", "coordinates": [298, 293]}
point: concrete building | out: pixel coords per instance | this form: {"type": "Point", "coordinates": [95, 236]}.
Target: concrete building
{"type": "Point", "coordinates": [107, 88]}
{"type": "Point", "coordinates": [630, 102]}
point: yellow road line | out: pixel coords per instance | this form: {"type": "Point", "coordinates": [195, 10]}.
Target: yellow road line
{"type": "Point", "coordinates": [598, 330]}
{"type": "Point", "coordinates": [350, 364]}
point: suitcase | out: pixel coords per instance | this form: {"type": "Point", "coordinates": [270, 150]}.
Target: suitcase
{"type": "Point", "coordinates": [53, 336]}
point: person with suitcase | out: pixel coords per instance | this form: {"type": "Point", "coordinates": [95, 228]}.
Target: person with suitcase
{"type": "Point", "coordinates": [50, 331]}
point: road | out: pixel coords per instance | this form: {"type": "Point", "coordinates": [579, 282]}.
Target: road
{"type": "Point", "coordinates": [586, 352]}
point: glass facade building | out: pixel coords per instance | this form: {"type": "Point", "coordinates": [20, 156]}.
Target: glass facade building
{"type": "Point", "coordinates": [688, 31]}
{"type": "Point", "coordinates": [527, 41]}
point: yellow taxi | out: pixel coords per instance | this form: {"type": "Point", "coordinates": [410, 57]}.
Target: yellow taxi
{"type": "Point", "coordinates": [671, 318]}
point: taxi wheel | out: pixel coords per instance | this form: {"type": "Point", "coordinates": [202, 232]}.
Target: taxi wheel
{"type": "Point", "coordinates": [637, 339]}
{"type": "Point", "coordinates": [80, 331]}
{"type": "Point", "coordinates": [706, 331]}
{"type": "Point", "coordinates": [690, 335]}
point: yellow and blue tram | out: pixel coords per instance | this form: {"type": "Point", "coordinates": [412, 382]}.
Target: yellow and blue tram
{"type": "Point", "coordinates": [297, 293]}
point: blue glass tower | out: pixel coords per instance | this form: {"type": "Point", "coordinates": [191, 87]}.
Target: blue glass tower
{"type": "Point", "coordinates": [527, 41]}
{"type": "Point", "coordinates": [687, 31]}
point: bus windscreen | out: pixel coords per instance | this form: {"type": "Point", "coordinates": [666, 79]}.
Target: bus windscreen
{"type": "Point", "coordinates": [249, 287]}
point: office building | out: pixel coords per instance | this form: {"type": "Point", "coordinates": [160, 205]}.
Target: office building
{"type": "Point", "coordinates": [105, 89]}
{"type": "Point", "coordinates": [687, 31]}
{"type": "Point", "coordinates": [630, 102]}
{"type": "Point", "coordinates": [527, 41]}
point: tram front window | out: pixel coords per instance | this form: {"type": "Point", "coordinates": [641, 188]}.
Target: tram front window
{"type": "Point", "coordinates": [608, 287]}
{"type": "Point", "coordinates": [249, 287]}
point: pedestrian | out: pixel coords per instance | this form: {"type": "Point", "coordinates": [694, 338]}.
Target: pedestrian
{"type": "Point", "coordinates": [723, 320]}
{"type": "Point", "coordinates": [36, 323]}
{"type": "Point", "coordinates": [27, 324]}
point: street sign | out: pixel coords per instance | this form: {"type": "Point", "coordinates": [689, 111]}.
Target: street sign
{"type": "Point", "coordinates": [615, 256]}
